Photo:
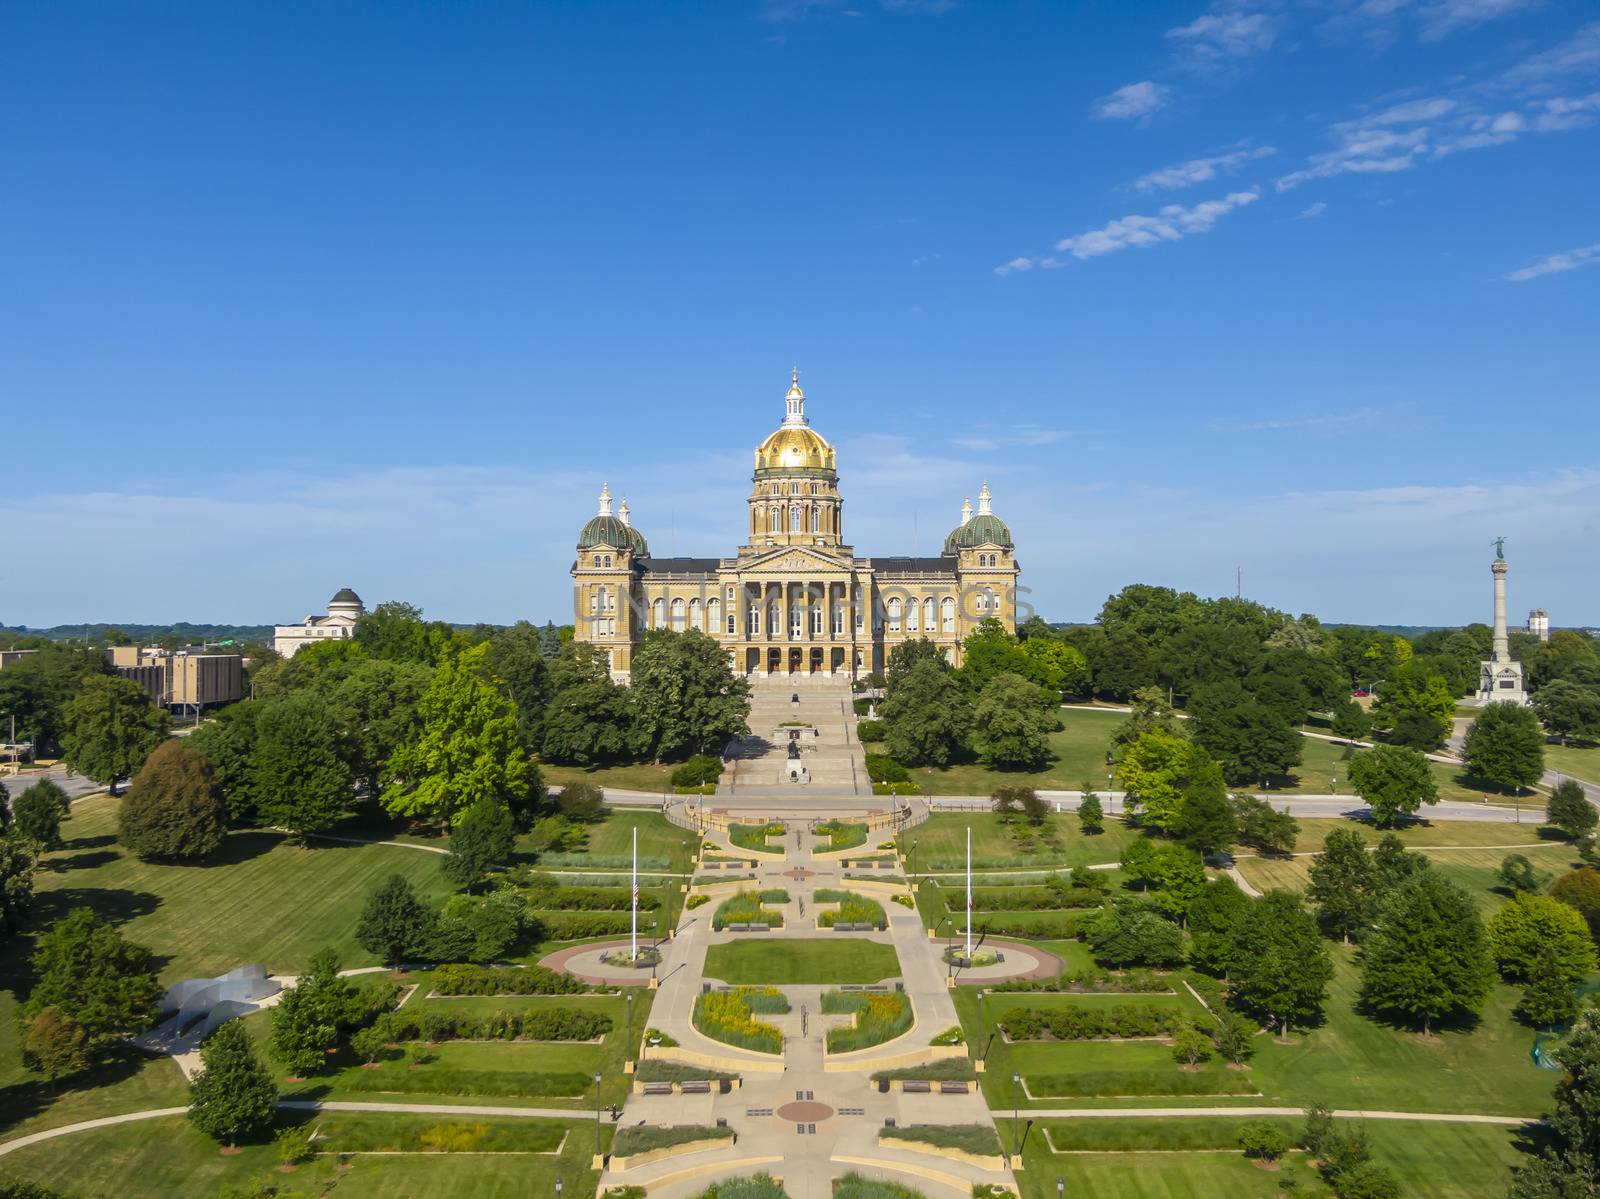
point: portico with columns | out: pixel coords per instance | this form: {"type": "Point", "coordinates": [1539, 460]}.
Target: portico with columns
{"type": "Point", "coordinates": [795, 600]}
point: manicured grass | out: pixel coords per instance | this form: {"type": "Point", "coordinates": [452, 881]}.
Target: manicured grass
{"type": "Point", "coordinates": [1132, 1134]}
{"type": "Point", "coordinates": [636, 776]}
{"type": "Point", "coordinates": [1078, 755]}
{"type": "Point", "coordinates": [612, 839]}
{"type": "Point", "coordinates": [755, 836]}
{"type": "Point", "coordinates": [261, 899]}
{"type": "Point", "coordinates": [878, 1018]}
{"type": "Point", "coordinates": [941, 842]}
{"type": "Point", "coordinates": [841, 835]}
{"type": "Point", "coordinates": [790, 961]}
{"type": "Point", "coordinates": [970, 1138]}
{"type": "Point", "coordinates": [1314, 831]}
{"type": "Point", "coordinates": [168, 1159]}
{"type": "Point", "coordinates": [1578, 761]}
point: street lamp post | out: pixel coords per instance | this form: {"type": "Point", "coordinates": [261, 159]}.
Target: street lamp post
{"type": "Point", "coordinates": [599, 1163]}
{"type": "Point", "coordinates": [980, 1021]}
{"type": "Point", "coordinates": [911, 863]}
{"type": "Point", "coordinates": [1016, 1115]}
{"type": "Point", "coordinates": [627, 1046]}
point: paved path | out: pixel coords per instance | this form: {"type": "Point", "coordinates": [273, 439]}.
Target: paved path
{"type": "Point", "coordinates": [33, 1138]}
{"type": "Point", "coordinates": [1100, 1113]}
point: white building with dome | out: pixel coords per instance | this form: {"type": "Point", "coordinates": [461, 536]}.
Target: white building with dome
{"type": "Point", "coordinates": [344, 609]}
{"type": "Point", "coordinates": [796, 598]}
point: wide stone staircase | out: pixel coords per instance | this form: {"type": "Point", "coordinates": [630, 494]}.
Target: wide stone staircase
{"type": "Point", "coordinates": [814, 714]}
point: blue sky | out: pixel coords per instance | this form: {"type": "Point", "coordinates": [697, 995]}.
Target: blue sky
{"type": "Point", "coordinates": [299, 296]}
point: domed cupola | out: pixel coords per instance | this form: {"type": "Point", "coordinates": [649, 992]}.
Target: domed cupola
{"type": "Point", "coordinates": [794, 447]}
{"type": "Point", "coordinates": [984, 528]}
{"type": "Point", "coordinates": [612, 531]}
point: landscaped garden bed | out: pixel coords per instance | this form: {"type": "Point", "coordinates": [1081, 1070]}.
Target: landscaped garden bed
{"type": "Point", "coordinates": [754, 836]}
{"type": "Point", "coordinates": [726, 1016]}
{"type": "Point", "coordinates": [856, 1186]}
{"type": "Point", "coordinates": [841, 834]}
{"type": "Point", "coordinates": [746, 907]}
{"type": "Point", "coordinates": [436, 1023]}
{"type": "Point", "coordinates": [878, 1018]}
{"type": "Point", "coordinates": [948, 1069]}
{"type": "Point", "coordinates": [1122, 1021]}
{"type": "Point", "coordinates": [464, 979]}
{"type": "Point", "coordinates": [973, 1140]}
{"type": "Point", "coordinates": [853, 909]}
{"type": "Point", "coordinates": [633, 1141]}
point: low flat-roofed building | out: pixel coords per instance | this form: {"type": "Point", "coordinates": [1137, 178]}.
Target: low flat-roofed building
{"type": "Point", "coordinates": [192, 678]}
{"type": "Point", "coordinates": [10, 657]}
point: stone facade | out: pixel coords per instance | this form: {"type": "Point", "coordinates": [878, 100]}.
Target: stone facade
{"type": "Point", "coordinates": [344, 609]}
{"type": "Point", "coordinates": [1500, 679]}
{"type": "Point", "coordinates": [795, 599]}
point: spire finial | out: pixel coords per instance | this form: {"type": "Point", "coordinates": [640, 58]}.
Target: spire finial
{"type": "Point", "coordinates": [983, 500]}
{"type": "Point", "coordinates": [966, 509]}
{"type": "Point", "coordinates": [795, 401]}
{"type": "Point", "coordinates": [605, 500]}
{"type": "Point", "coordinates": [622, 512]}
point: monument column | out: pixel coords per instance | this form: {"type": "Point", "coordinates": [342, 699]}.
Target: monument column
{"type": "Point", "coordinates": [1500, 681]}
{"type": "Point", "coordinates": [1502, 644]}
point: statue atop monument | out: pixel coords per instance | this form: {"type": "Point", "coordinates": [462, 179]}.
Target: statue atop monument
{"type": "Point", "coordinates": [1499, 549]}
{"type": "Point", "coordinates": [1500, 676]}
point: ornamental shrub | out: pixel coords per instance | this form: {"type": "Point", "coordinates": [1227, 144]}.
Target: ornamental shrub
{"type": "Point", "coordinates": [1089, 1023]}
{"type": "Point", "coordinates": [462, 979]}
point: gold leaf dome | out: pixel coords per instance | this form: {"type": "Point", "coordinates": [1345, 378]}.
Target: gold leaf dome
{"type": "Point", "coordinates": [795, 445]}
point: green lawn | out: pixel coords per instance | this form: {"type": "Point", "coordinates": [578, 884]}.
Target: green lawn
{"type": "Point", "coordinates": [1433, 1161]}
{"type": "Point", "coordinates": [941, 842]}
{"type": "Point", "coordinates": [639, 776]}
{"type": "Point", "coordinates": [790, 961]}
{"type": "Point", "coordinates": [261, 899]}
{"type": "Point", "coordinates": [1078, 755]}
{"type": "Point", "coordinates": [1579, 761]}
{"type": "Point", "coordinates": [167, 1159]}
{"type": "Point", "coordinates": [1436, 832]}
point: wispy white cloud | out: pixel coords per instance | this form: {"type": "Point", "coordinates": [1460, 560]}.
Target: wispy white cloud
{"type": "Point", "coordinates": [1312, 210]}
{"type": "Point", "coordinates": [1200, 170]}
{"type": "Point", "coordinates": [1232, 30]}
{"type": "Point", "coordinates": [1579, 54]}
{"type": "Point", "coordinates": [1315, 420]}
{"type": "Point", "coordinates": [800, 10]}
{"type": "Point", "coordinates": [1173, 222]}
{"type": "Point", "coordinates": [1135, 101]}
{"type": "Point", "coordinates": [1557, 263]}
{"type": "Point", "coordinates": [986, 440]}
{"type": "Point", "coordinates": [1381, 22]}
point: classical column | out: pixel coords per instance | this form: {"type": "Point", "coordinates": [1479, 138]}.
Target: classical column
{"type": "Point", "coordinates": [1502, 644]}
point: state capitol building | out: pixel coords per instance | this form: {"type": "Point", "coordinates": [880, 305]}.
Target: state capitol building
{"type": "Point", "coordinates": [795, 599]}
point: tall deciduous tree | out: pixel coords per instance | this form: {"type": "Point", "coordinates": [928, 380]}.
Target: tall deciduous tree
{"type": "Point", "coordinates": [908, 654]}
{"type": "Point", "coordinates": [1529, 925]}
{"type": "Point", "coordinates": [586, 723]}
{"type": "Point", "coordinates": [1056, 666]}
{"type": "Point", "coordinates": [393, 922]}
{"type": "Point", "coordinates": [988, 652]}
{"type": "Point", "coordinates": [1211, 919]}
{"type": "Point", "coordinates": [1150, 712]}
{"type": "Point", "coordinates": [1278, 967]}
{"type": "Point", "coordinates": [1580, 890]}
{"type": "Point", "coordinates": [37, 814]}
{"type": "Point", "coordinates": [17, 862]}
{"type": "Point", "coordinates": [111, 727]}
{"type": "Point", "coordinates": [1570, 810]}
{"type": "Point", "coordinates": [1570, 1168]}
{"type": "Point", "coordinates": [685, 696]}
{"type": "Point", "coordinates": [1505, 746]}
{"type": "Point", "coordinates": [54, 1045]}
{"type": "Point", "coordinates": [104, 983]}
{"type": "Point", "coordinates": [928, 717]}
{"type": "Point", "coordinates": [1548, 996]}
{"type": "Point", "coordinates": [1263, 827]}
{"type": "Point", "coordinates": [519, 658]}
{"type": "Point", "coordinates": [469, 747]}
{"type": "Point", "coordinates": [1351, 722]}
{"type": "Point", "coordinates": [172, 809]}
{"type": "Point", "coordinates": [228, 741]}
{"type": "Point", "coordinates": [1179, 877]}
{"type": "Point", "coordinates": [482, 841]}
{"type": "Point", "coordinates": [396, 631]}
{"type": "Point", "coordinates": [1206, 823]}
{"type": "Point", "coordinates": [233, 1096]}
{"type": "Point", "coordinates": [1011, 724]}
{"type": "Point", "coordinates": [1251, 740]}
{"type": "Point", "coordinates": [1091, 820]}
{"type": "Point", "coordinates": [1568, 710]}
{"type": "Point", "coordinates": [306, 1019]}
{"type": "Point", "coordinates": [1393, 781]}
{"type": "Point", "coordinates": [374, 707]}
{"type": "Point", "coordinates": [297, 778]}
{"type": "Point", "coordinates": [1426, 957]}
{"type": "Point", "coordinates": [1343, 884]}
{"type": "Point", "coordinates": [1154, 772]}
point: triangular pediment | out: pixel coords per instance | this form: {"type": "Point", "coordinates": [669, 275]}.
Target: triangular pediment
{"type": "Point", "coordinates": [786, 559]}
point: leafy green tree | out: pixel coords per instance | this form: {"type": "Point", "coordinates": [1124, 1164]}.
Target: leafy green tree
{"type": "Point", "coordinates": [1119, 659]}
{"type": "Point", "coordinates": [1418, 730]}
{"type": "Point", "coordinates": [1505, 746]}
{"type": "Point", "coordinates": [1209, 652]}
{"type": "Point", "coordinates": [1278, 968]}
{"type": "Point", "coordinates": [1263, 1141]}
{"type": "Point", "coordinates": [228, 742]}
{"type": "Point", "coordinates": [1520, 930]}
{"type": "Point", "coordinates": [586, 723]}
{"type": "Point", "coordinates": [1568, 710]}
{"type": "Point", "coordinates": [1011, 724]}
{"type": "Point", "coordinates": [374, 708]}
{"type": "Point", "coordinates": [172, 810]}
{"type": "Point", "coordinates": [306, 1018]}
{"type": "Point", "coordinates": [1206, 823]}
{"type": "Point", "coordinates": [54, 1045]}
{"type": "Point", "coordinates": [1055, 666]}
{"type": "Point", "coordinates": [17, 862]}
{"type": "Point", "coordinates": [396, 631]}
{"type": "Point", "coordinates": [1393, 863]}
{"type": "Point", "coordinates": [1570, 1167]}
{"type": "Point", "coordinates": [582, 803]}
{"type": "Point", "coordinates": [685, 696]}
{"type": "Point", "coordinates": [1351, 722]}
{"type": "Point", "coordinates": [1250, 739]}
{"type": "Point", "coordinates": [1516, 873]}
{"type": "Point", "coordinates": [1411, 688]}
{"type": "Point", "coordinates": [517, 657]}
{"type": "Point", "coordinates": [1343, 884]}
{"type": "Point", "coordinates": [37, 813]}
{"type": "Point", "coordinates": [1091, 820]}
{"type": "Point", "coordinates": [1426, 957]}
{"type": "Point", "coordinates": [1580, 890]}
{"type": "Point", "coordinates": [1393, 781]}
{"type": "Point", "coordinates": [393, 922]}
{"type": "Point", "coordinates": [233, 1096]}
{"type": "Point", "coordinates": [1154, 771]}
{"type": "Point", "coordinates": [111, 727]}
{"type": "Point", "coordinates": [928, 717]}
{"type": "Point", "coordinates": [469, 747]}
{"type": "Point", "coordinates": [1179, 877]}
{"type": "Point", "coordinates": [86, 970]}
{"type": "Point", "coordinates": [904, 657]}
{"type": "Point", "coordinates": [1136, 861]}
{"type": "Point", "coordinates": [482, 841]}
{"type": "Point", "coordinates": [1211, 919]}
{"type": "Point", "coordinates": [1150, 711]}
{"type": "Point", "coordinates": [1548, 996]}
{"type": "Point", "coordinates": [1189, 1045]}
{"type": "Point", "coordinates": [1570, 810]}
{"type": "Point", "coordinates": [1134, 934]}
{"type": "Point", "coordinates": [299, 781]}
{"type": "Point", "coordinates": [1263, 827]}
{"type": "Point", "coordinates": [38, 689]}
{"type": "Point", "coordinates": [988, 652]}
{"type": "Point", "coordinates": [1154, 613]}
{"type": "Point", "coordinates": [1235, 1037]}
{"type": "Point", "coordinates": [1321, 682]}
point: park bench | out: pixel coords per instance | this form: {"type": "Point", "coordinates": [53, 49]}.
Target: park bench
{"type": "Point", "coordinates": [658, 1088]}
{"type": "Point", "coordinates": [917, 1086]}
{"type": "Point", "coordinates": [702, 1087]}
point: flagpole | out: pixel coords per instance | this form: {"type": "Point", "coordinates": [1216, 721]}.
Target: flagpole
{"type": "Point", "coordinates": [634, 936]}
{"type": "Point", "coordinates": [969, 894]}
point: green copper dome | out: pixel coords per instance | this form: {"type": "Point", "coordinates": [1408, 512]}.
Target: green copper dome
{"type": "Point", "coordinates": [613, 532]}
{"type": "Point", "coordinates": [983, 529]}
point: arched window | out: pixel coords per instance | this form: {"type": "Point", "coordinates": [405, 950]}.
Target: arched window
{"type": "Point", "coordinates": [947, 614]}
{"type": "Point", "coordinates": [894, 613]}
{"type": "Point", "coordinates": [714, 615]}
{"type": "Point", "coordinates": [927, 614]}
{"type": "Point", "coordinates": [658, 614]}
{"type": "Point", "coordinates": [775, 618]}
{"type": "Point", "coordinates": [677, 614]}
{"type": "Point", "coordinates": [694, 616]}
{"type": "Point", "coordinates": [814, 517]}
{"type": "Point", "coordinates": [777, 520]}
{"type": "Point", "coordinates": [608, 559]}
{"type": "Point", "coordinates": [594, 601]}
{"type": "Point", "coordinates": [794, 518]}
{"type": "Point", "coordinates": [753, 620]}
{"type": "Point", "coordinates": [913, 625]}
{"type": "Point", "coordinates": [597, 559]}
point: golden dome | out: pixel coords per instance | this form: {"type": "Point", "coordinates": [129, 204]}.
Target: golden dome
{"type": "Point", "coordinates": [795, 447]}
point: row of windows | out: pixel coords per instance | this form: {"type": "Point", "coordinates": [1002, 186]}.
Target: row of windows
{"type": "Point", "coordinates": [680, 615]}
{"type": "Point", "coordinates": [791, 489]}
{"type": "Point", "coordinates": [802, 519]}
{"type": "Point", "coordinates": [988, 559]}
{"type": "Point", "coordinates": [602, 560]}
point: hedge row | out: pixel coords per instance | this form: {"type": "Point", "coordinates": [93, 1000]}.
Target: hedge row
{"type": "Point", "coordinates": [459, 978]}
{"type": "Point", "coordinates": [980, 1139]}
{"type": "Point", "coordinates": [550, 897]}
{"type": "Point", "coordinates": [1108, 1083]}
{"type": "Point", "coordinates": [574, 926]}
{"type": "Point", "coordinates": [539, 1024]}
{"type": "Point", "coordinates": [1089, 1023]}
{"type": "Point", "coordinates": [946, 1069]}
{"type": "Point", "coordinates": [1128, 982]}
{"type": "Point", "coordinates": [641, 1138]}
{"type": "Point", "coordinates": [1022, 899]}
{"type": "Point", "coordinates": [1059, 926]}
{"type": "Point", "coordinates": [446, 1080]}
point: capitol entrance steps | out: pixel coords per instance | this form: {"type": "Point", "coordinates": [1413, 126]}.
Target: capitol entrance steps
{"type": "Point", "coordinates": [814, 715]}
